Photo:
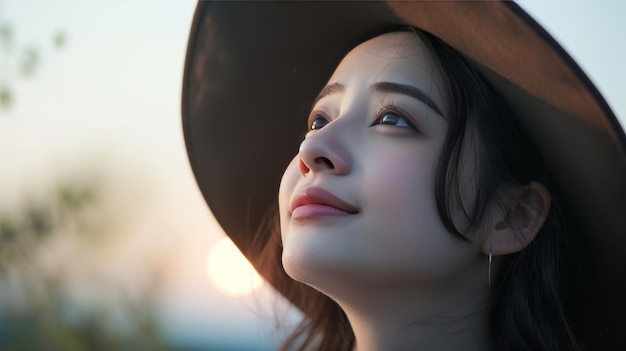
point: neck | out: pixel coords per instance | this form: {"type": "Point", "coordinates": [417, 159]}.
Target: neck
{"type": "Point", "coordinates": [418, 320]}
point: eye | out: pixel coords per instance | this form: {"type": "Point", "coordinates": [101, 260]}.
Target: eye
{"type": "Point", "coordinates": [391, 118]}
{"type": "Point", "coordinates": [318, 123]}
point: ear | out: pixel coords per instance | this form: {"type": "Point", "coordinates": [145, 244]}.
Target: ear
{"type": "Point", "coordinates": [515, 226]}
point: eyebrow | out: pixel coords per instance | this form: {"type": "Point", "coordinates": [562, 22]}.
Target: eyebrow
{"type": "Point", "coordinates": [328, 90]}
{"type": "Point", "coordinates": [388, 87]}
{"type": "Point", "coordinates": [385, 87]}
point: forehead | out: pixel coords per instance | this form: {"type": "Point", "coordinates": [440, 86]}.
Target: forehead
{"type": "Point", "coordinates": [393, 45]}
{"type": "Point", "coordinates": [399, 57]}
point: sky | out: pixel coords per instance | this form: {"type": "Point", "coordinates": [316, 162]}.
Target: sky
{"type": "Point", "coordinates": [593, 33]}
{"type": "Point", "coordinates": [108, 103]}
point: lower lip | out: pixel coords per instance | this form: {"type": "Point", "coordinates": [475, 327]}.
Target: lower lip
{"type": "Point", "coordinates": [316, 210]}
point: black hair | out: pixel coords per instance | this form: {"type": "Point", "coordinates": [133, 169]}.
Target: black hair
{"type": "Point", "coordinates": [526, 306]}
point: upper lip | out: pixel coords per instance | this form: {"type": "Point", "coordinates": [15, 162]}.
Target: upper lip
{"type": "Point", "coordinates": [319, 196]}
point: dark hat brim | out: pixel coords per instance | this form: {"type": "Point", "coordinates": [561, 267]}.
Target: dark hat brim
{"type": "Point", "coordinates": [244, 58]}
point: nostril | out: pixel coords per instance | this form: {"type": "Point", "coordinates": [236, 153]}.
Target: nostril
{"type": "Point", "coordinates": [325, 161]}
{"type": "Point", "coordinates": [304, 170]}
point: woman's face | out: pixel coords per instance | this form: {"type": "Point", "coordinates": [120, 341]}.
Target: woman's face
{"type": "Point", "coordinates": [357, 204]}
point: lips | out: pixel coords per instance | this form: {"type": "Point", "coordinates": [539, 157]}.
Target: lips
{"type": "Point", "coordinates": [316, 202]}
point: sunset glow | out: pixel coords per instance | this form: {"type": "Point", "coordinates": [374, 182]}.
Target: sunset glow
{"type": "Point", "coordinates": [229, 270]}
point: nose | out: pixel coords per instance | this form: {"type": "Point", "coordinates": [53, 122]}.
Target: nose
{"type": "Point", "coordinates": [325, 151]}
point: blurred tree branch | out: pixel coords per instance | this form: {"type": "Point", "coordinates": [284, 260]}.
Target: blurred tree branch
{"type": "Point", "coordinates": [18, 57]}
{"type": "Point", "coordinates": [37, 311]}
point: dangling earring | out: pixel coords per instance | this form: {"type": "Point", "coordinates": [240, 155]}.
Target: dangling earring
{"type": "Point", "coordinates": [490, 265]}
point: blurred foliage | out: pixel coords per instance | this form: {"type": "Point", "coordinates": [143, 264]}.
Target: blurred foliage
{"type": "Point", "coordinates": [59, 39]}
{"type": "Point", "coordinates": [29, 61]}
{"type": "Point", "coordinates": [5, 97]}
{"type": "Point", "coordinates": [37, 309]}
{"type": "Point", "coordinates": [16, 57]}
{"type": "Point", "coordinates": [42, 327]}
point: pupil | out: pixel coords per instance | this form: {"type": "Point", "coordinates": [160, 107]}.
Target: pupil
{"type": "Point", "coordinates": [318, 123]}
{"type": "Point", "coordinates": [390, 119]}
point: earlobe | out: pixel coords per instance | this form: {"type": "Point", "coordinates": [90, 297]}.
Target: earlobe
{"type": "Point", "coordinates": [517, 225]}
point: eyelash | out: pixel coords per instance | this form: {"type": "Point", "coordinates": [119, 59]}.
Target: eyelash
{"type": "Point", "coordinates": [394, 111]}
{"type": "Point", "coordinates": [386, 109]}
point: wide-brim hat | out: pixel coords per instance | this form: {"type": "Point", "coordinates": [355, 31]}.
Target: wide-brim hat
{"type": "Point", "coordinates": [254, 68]}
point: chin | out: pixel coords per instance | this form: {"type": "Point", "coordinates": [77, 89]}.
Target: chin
{"type": "Point", "coordinates": [320, 268]}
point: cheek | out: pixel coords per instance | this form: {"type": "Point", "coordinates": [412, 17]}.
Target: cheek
{"type": "Point", "coordinates": [403, 183]}
{"type": "Point", "coordinates": [287, 186]}
{"type": "Point", "coordinates": [404, 216]}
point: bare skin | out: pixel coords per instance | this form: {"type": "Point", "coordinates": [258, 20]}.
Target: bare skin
{"type": "Point", "coordinates": [359, 220]}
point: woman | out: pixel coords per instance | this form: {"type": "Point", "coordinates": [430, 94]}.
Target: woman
{"type": "Point", "coordinates": [419, 211]}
